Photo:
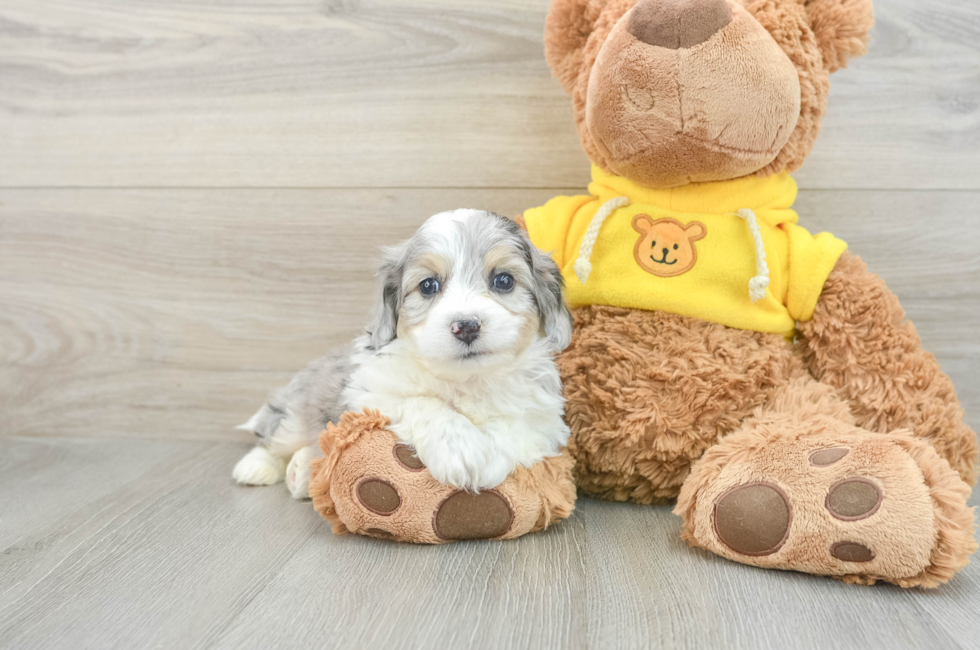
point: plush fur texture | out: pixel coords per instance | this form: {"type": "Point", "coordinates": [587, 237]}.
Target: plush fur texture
{"type": "Point", "coordinates": [360, 448]}
{"type": "Point", "coordinates": [812, 39]}
{"type": "Point", "coordinates": [652, 394]}
{"type": "Point", "coordinates": [648, 392]}
{"type": "Point", "coordinates": [719, 110]}
{"type": "Point", "coordinates": [859, 342]}
{"type": "Point", "coordinates": [921, 534]}
{"type": "Point", "coordinates": [473, 404]}
{"type": "Point", "coordinates": [663, 406]}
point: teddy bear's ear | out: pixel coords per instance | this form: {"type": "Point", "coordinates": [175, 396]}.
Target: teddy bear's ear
{"type": "Point", "coordinates": [642, 224]}
{"type": "Point", "coordinates": [566, 31]}
{"type": "Point", "coordinates": [841, 28]}
{"type": "Point", "coordinates": [695, 231]}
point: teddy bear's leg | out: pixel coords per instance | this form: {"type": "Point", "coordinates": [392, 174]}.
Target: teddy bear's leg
{"type": "Point", "coordinates": [801, 487]}
{"type": "Point", "coordinates": [648, 392]}
{"type": "Point", "coordinates": [859, 342]}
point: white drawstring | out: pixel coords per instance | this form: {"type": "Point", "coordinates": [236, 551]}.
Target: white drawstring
{"type": "Point", "coordinates": [758, 284]}
{"type": "Point", "coordinates": [583, 265]}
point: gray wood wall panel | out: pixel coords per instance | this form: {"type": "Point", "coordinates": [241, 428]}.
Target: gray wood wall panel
{"type": "Point", "coordinates": [166, 313]}
{"type": "Point", "coordinates": [439, 93]}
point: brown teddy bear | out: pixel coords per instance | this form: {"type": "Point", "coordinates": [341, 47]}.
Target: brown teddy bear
{"type": "Point", "coordinates": [722, 355]}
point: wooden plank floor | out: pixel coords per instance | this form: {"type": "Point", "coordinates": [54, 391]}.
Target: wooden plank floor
{"type": "Point", "coordinates": [136, 543]}
{"type": "Point", "coordinates": [191, 200]}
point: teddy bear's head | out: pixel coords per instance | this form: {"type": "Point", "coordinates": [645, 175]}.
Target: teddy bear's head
{"type": "Point", "coordinates": [668, 92]}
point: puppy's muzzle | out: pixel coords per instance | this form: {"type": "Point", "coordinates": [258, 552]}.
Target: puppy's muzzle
{"type": "Point", "coordinates": [466, 330]}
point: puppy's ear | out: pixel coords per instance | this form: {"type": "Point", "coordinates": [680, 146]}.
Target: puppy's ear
{"type": "Point", "coordinates": [383, 325]}
{"type": "Point", "coordinates": [547, 285]}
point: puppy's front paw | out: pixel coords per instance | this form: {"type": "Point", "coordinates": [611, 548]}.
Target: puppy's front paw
{"type": "Point", "coordinates": [298, 472]}
{"type": "Point", "coordinates": [259, 467]}
{"type": "Point", "coordinates": [466, 464]}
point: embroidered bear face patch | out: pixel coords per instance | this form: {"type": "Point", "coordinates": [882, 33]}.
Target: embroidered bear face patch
{"type": "Point", "coordinates": [666, 246]}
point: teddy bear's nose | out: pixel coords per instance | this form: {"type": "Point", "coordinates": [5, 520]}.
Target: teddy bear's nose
{"type": "Point", "coordinates": [677, 23]}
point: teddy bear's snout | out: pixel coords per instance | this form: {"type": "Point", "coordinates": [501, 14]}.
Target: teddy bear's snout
{"type": "Point", "coordinates": [675, 24]}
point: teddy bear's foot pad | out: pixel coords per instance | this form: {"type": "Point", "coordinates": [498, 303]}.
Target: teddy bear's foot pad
{"type": "Point", "coordinates": [753, 518]}
{"type": "Point", "coordinates": [842, 502]}
{"type": "Point", "coordinates": [463, 515]}
{"type": "Point", "coordinates": [371, 484]}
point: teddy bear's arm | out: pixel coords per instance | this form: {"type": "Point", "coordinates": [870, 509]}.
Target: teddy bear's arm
{"type": "Point", "coordinates": [860, 342]}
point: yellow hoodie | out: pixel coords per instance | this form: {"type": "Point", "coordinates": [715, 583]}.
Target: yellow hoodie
{"type": "Point", "coordinates": [728, 252]}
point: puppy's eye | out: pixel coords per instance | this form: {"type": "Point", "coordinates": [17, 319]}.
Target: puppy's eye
{"type": "Point", "coordinates": [653, 244]}
{"type": "Point", "coordinates": [429, 287]}
{"type": "Point", "coordinates": [675, 247]}
{"type": "Point", "coordinates": [503, 282]}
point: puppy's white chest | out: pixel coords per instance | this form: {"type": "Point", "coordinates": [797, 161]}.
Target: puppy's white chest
{"type": "Point", "coordinates": [476, 409]}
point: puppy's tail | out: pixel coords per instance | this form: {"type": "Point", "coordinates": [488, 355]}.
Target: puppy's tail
{"type": "Point", "coordinates": [266, 421]}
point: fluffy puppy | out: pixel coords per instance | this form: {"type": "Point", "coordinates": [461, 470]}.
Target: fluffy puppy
{"type": "Point", "coordinates": [459, 355]}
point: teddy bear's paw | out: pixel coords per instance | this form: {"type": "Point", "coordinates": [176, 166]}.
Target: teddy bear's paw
{"type": "Point", "coordinates": [371, 484]}
{"type": "Point", "coordinates": [847, 503]}
{"type": "Point", "coordinates": [398, 499]}
{"type": "Point", "coordinates": [380, 488]}
{"type": "Point", "coordinates": [298, 472]}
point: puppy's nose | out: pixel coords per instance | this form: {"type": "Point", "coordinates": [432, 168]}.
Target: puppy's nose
{"type": "Point", "coordinates": [665, 253]}
{"type": "Point", "coordinates": [678, 23]}
{"type": "Point", "coordinates": [467, 330]}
